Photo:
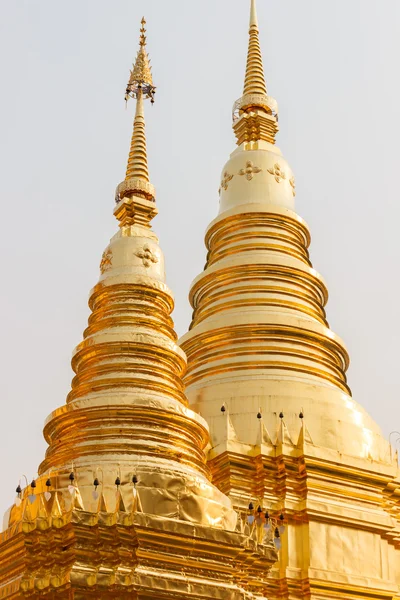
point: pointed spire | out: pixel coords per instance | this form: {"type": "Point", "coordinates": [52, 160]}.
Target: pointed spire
{"type": "Point", "coordinates": [254, 81]}
{"type": "Point", "coordinates": [255, 114]}
{"type": "Point", "coordinates": [253, 14]}
{"type": "Point", "coordinates": [136, 191]}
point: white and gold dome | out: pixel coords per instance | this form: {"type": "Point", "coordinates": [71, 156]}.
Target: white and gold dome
{"type": "Point", "coordinates": [259, 339]}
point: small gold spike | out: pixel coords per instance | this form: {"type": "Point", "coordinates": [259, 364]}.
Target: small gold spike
{"type": "Point", "coordinates": [56, 509]}
{"type": "Point", "coordinates": [120, 504]}
{"type": "Point", "coordinates": [102, 504]}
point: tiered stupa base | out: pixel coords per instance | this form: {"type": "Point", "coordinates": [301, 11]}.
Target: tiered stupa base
{"type": "Point", "coordinates": [341, 515]}
{"type": "Point", "coordinates": [74, 554]}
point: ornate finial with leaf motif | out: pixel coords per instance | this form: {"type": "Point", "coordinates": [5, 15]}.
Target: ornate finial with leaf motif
{"type": "Point", "coordinates": [141, 77]}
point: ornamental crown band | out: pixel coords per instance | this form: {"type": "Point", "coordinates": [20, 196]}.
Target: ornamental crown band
{"type": "Point", "coordinates": [135, 185]}
{"type": "Point", "coordinates": [257, 101]}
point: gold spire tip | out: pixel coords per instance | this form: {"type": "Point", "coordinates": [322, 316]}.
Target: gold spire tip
{"type": "Point", "coordinates": [253, 14]}
{"type": "Point", "coordinates": [254, 80]}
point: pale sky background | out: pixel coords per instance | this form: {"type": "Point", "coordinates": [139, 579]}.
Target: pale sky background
{"type": "Point", "coordinates": [333, 66]}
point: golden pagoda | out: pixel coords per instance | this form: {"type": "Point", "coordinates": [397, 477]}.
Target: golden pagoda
{"type": "Point", "coordinates": [269, 376]}
{"type": "Point", "coordinates": [123, 506]}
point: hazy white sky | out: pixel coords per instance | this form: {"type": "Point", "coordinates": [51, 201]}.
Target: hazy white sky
{"type": "Point", "coordinates": [64, 138]}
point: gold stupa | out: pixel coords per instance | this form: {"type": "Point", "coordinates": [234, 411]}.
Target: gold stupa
{"type": "Point", "coordinates": [123, 506]}
{"type": "Point", "coordinates": [269, 376]}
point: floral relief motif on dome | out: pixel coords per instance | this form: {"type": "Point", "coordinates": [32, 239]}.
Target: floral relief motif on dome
{"type": "Point", "coordinates": [277, 173]}
{"type": "Point", "coordinates": [225, 181]}
{"type": "Point", "coordinates": [106, 261]}
{"type": "Point", "coordinates": [250, 170]}
{"type": "Point", "coordinates": [147, 255]}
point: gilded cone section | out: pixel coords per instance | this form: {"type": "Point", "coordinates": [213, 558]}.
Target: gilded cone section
{"type": "Point", "coordinates": [124, 496]}
{"type": "Point", "coordinates": [276, 313]}
{"type": "Point", "coordinates": [254, 81]}
{"type": "Point", "coordinates": [269, 375]}
{"type": "Point", "coordinates": [137, 162]}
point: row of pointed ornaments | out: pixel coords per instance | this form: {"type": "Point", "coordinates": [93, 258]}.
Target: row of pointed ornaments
{"type": "Point", "coordinates": [282, 435]}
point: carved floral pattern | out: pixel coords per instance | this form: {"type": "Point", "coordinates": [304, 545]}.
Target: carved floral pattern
{"type": "Point", "coordinates": [147, 256]}
{"type": "Point", "coordinates": [250, 170]}
{"type": "Point", "coordinates": [292, 182]}
{"type": "Point", "coordinates": [225, 181]}
{"type": "Point", "coordinates": [106, 261]}
{"type": "Point", "coordinates": [277, 173]}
